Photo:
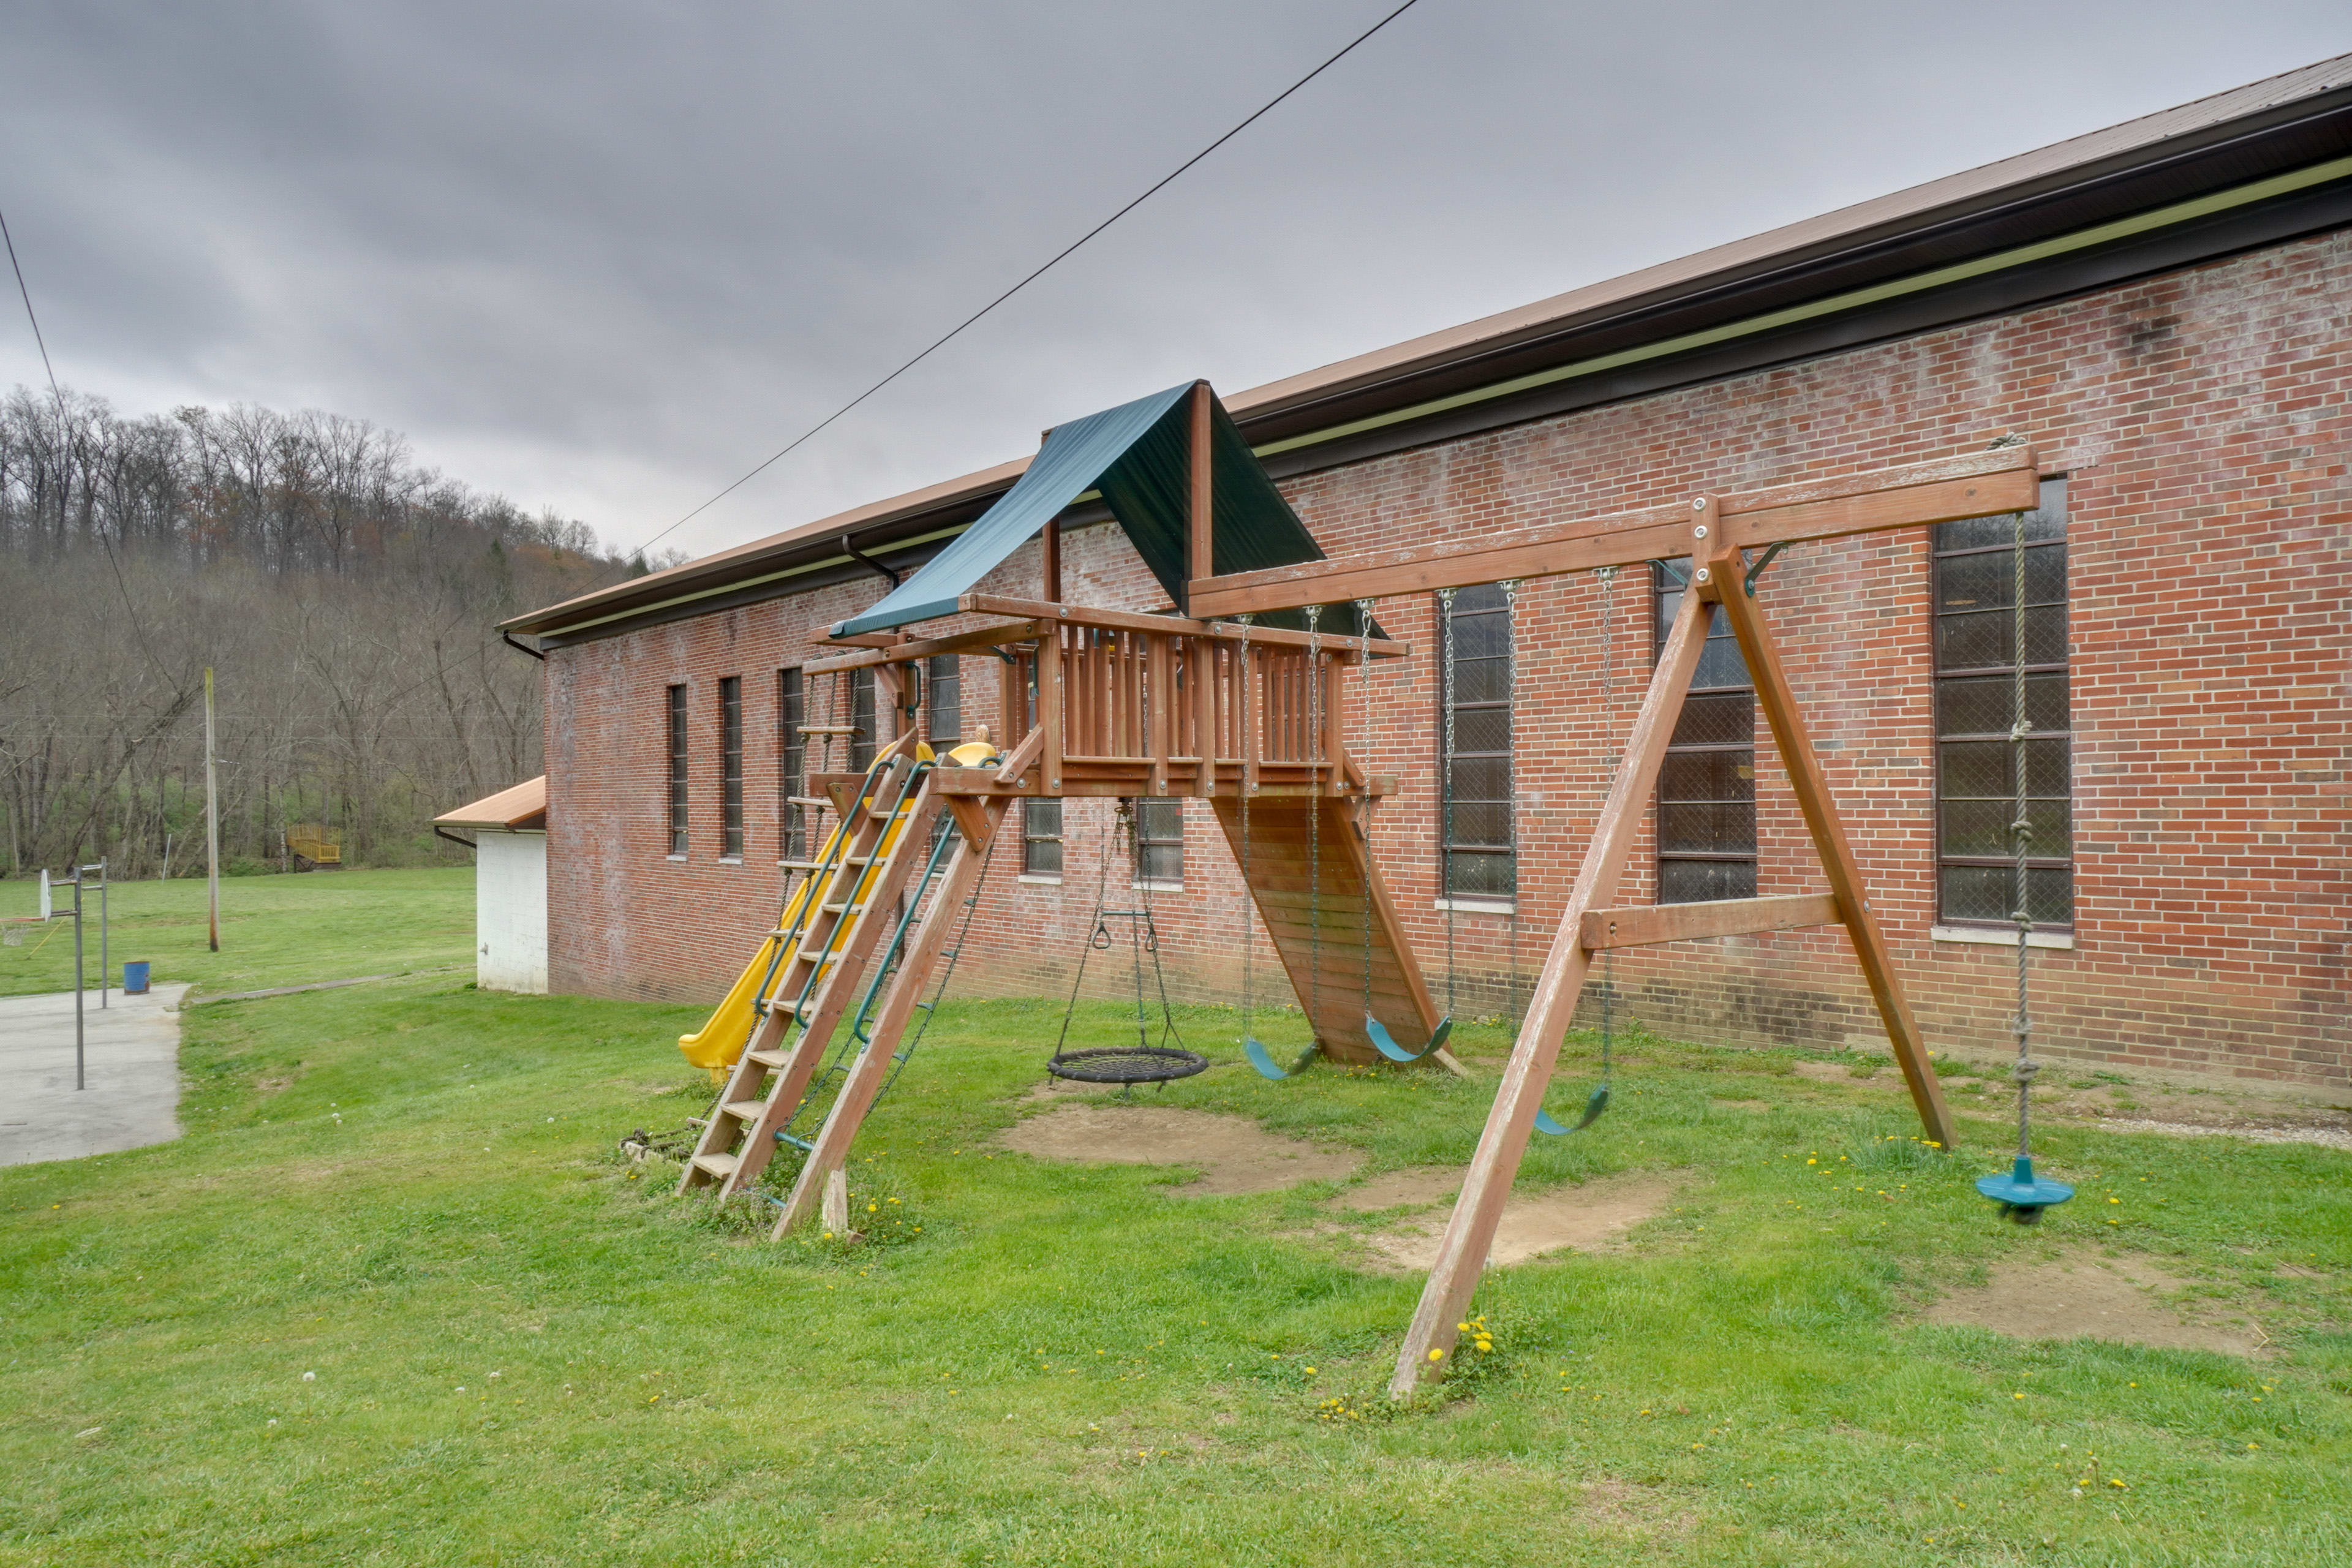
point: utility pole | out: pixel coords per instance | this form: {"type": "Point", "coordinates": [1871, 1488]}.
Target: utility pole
{"type": "Point", "coordinates": [212, 819]}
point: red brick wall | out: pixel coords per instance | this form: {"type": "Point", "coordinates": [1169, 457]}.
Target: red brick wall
{"type": "Point", "coordinates": [2202, 420]}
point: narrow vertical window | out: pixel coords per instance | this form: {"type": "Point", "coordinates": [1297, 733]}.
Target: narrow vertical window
{"type": "Point", "coordinates": [943, 698]}
{"type": "Point", "coordinates": [1041, 838]}
{"type": "Point", "coordinates": [678, 771]}
{"type": "Point", "coordinates": [1473, 821]}
{"type": "Point", "coordinates": [1159, 839]}
{"type": "Point", "coordinates": [1706, 783]}
{"type": "Point", "coordinates": [792, 762]}
{"type": "Point", "coordinates": [1977, 563]}
{"type": "Point", "coordinates": [861, 713]}
{"type": "Point", "coordinates": [731, 767]}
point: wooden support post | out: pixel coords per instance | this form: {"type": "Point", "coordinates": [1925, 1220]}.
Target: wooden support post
{"type": "Point", "coordinates": [1201, 533]}
{"type": "Point", "coordinates": [1721, 581]}
{"type": "Point", "coordinates": [829, 1153]}
{"type": "Point", "coordinates": [1158, 683]}
{"type": "Point", "coordinates": [1470, 1233]}
{"type": "Point", "coordinates": [1049, 704]}
{"type": "Point", "coordinates": [1201, 672]}
{"type": "Point", "coordinates": [1050, 542]}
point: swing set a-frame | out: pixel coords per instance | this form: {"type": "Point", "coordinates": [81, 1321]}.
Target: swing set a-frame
{"type": "Point", "coordinates": [1240, 698]}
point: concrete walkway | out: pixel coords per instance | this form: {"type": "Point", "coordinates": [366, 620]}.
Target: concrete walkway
{"type": "Point", "coordinates": [133, 1057]}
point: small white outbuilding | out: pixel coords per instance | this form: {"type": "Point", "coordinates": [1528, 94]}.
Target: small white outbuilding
{"type": "Point", "coordinates": [509, 846]}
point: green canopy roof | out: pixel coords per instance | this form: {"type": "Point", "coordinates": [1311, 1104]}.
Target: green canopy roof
{"type": "Point", "coordinates": [1139, 456]}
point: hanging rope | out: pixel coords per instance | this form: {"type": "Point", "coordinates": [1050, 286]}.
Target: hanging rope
{"type": "Point", "coordinates": [2021, 1195]}
{"type": "Point", "coordinates": [1142, 1062]}
{"type": "Point", "coordinates": [1445, 780]}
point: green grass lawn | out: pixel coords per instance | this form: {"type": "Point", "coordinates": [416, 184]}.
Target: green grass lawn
{"type": "Point", "coordinates": [275, 930]}
{"type": "Point", "coordinates": [395, 1299]}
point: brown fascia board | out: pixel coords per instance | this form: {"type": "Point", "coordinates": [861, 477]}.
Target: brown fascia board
{"type": "Point", "coordinates": [2199, 140]}
{"type": "Point", "coordinates": [2028, 179]}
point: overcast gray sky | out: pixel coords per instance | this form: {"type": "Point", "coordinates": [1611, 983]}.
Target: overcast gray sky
{"type": "Point", "coordinates": [604, 257]}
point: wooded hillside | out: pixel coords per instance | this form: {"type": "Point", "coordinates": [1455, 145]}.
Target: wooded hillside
{"type": "Point", "coordinates": [343, 595]}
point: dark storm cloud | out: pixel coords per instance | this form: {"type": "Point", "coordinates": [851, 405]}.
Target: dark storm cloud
{"type": "Point", "coordinates": [606, 256]}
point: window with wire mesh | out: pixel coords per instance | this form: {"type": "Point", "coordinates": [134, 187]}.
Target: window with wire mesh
{"type": "Point", "coordinates": [943, 697]}
{"type": "Point", "coordinates": [1977, 662]}
{"type": "Point", "coordinates": [1159, 840]}
{"type": "Point", "coordinates": [861, 713]}
{"type": "Point", "coordinates": [1041, 838]}
{"type": "Point", "coordinates": [792, 761]}
{"type": "Point", "coordinates": [731, 767]}
{"type": "Point", "coordinates": [677, 769]}
{"type": "Point", "coordinates": [1706, 782]}
{"type": "Point", "coordinates": [1473, 810]}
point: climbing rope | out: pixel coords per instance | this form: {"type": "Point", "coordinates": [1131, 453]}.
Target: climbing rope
{"type": "Point", "coordinates": [2021, 1195]}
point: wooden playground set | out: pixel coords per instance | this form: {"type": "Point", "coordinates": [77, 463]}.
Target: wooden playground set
{"type": "Point", "coordinates": [1241, 698]}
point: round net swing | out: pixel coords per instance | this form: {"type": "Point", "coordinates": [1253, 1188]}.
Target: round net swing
{"type": "Point", "coordinates": [1145, 1061]}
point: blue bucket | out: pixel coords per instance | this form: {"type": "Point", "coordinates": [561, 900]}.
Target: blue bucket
{"type": "Point", "coordinates": [134, 977]}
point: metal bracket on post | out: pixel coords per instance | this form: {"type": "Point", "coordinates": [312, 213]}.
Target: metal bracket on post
{"type": "Point", "coordinates": [1763, 560]}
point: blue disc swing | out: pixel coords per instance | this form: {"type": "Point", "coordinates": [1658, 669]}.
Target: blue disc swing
{"type": "Point", "coordinates": [2022, 1194]}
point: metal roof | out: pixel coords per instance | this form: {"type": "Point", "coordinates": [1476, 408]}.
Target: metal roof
{"type": "Point", "coordinates": [2249, 166]}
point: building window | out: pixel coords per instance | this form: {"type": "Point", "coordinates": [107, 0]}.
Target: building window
{"type": "Point", "coordinates": [678, 770]}
{"type": "Point", "coordinates": [1707, 783]}
{"type": "Point", "coordinates": [861, 713]}
{"type": "Point", "coordinates": [1160, 840]}
{"type": "Point", "coordinates": [1041, 838]}
{"type": "Point", "coordinates": [731, 767]}
{"type": "Point", "coordinates": [1976, 706]}
{"type": "Point", "coordinates": [943, 697]}
{"type": "Point", "coordinates": [792, 762]}
{"type": "Point", "coordinates": [1473, 820]}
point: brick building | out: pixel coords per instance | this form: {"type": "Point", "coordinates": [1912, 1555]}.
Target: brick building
{"type": "Point", "coordinates": [2160, 309]}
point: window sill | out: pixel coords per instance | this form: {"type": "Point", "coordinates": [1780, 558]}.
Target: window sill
{"type": "Point", "coordinates": [1041, 879]}
{"type": "Point", "coordinates": [1993, 936]}
{"type": "Point", "coordinates": [1157, 886]}
{"type": "Point", "coordinates": [675, 859]}
{"type": "Point", "coordinates": [1477, 906]}
{"type": "Point", "coordinates": [730, 859]}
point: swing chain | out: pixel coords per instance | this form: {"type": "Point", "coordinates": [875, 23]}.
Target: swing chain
{"type": "Point", "coordinates": [1364, 813]}
{"type": "Point", "coordinates": [1510, 586]}
{"type": "Point", "coordinates": [1314, 824]}
{"type": "Point", "coordinates": [1607, 579]}
{"type": "Point", "coordinates": [1249, 931]}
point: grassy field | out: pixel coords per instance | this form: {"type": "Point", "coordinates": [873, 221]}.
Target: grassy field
{"type": "Point", "coordinates": [395, 1299]}
{"type": "Point", "coordinates": [275, 930]}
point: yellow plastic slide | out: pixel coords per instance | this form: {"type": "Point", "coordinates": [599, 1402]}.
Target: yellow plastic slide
{"type": "Point", "coordinates": [719, 1042]}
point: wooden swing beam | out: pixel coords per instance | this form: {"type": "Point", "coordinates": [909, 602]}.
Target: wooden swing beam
{"type": "Point", "coordinates": [1712, 531]}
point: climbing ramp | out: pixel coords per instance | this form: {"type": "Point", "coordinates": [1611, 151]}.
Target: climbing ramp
{"type": "Point", "coordinates": [1313, 908]}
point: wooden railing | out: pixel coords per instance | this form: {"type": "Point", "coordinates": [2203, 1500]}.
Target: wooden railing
{"type": "Point", "coordinates": [1143, 704]}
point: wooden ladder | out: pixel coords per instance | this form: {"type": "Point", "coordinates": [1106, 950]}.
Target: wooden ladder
{"type": "Point", "coordinates": [818, 981]}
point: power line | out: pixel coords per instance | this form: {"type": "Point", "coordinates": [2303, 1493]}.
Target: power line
{"type": "Point", "coordinates": [1057, 259]}
{"type": "Point", "coordinates": [58, 392]}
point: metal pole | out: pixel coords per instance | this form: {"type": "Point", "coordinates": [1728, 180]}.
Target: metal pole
{"type": "Point", "coordinates": [104, 978]}
{"type": "Point", "coordinates": [212, 820]}
{"type": "Point", "coordinates": [78, 1024]}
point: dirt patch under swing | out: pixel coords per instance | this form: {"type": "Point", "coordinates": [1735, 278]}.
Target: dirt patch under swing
{"type": "Point", "coordinates": [2119, 1299]}
{"type": "Point", "coordinates": [1591, 1217]}
{"type": "Point", "coordinates": [1233, 1154]}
